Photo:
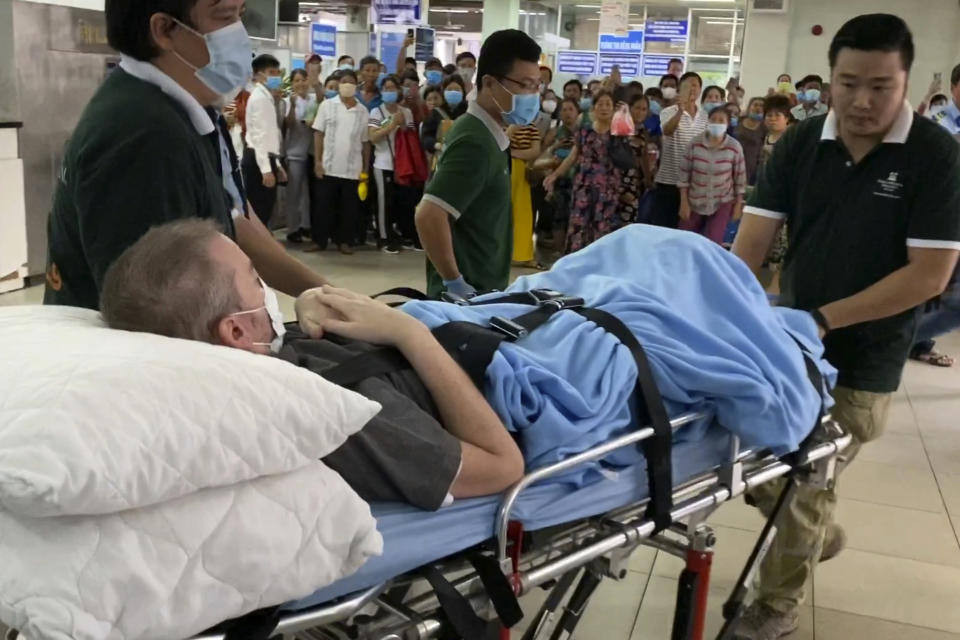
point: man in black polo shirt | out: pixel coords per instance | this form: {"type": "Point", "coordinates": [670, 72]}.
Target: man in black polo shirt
{"type": "Point", "coordinates": [870, 194]}
{"type": "Point", "coordinates": [150, 148]}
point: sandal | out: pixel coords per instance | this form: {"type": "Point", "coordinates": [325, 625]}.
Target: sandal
{"type": "Point", "coordinates": [934, 358]}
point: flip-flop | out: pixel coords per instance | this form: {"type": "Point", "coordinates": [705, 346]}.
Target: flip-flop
{"type": "Point", "coordinates": [935, 359]}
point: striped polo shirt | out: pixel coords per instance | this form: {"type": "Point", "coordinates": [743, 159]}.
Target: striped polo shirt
{"type": "Point", "coordinates": [675, 146]}
{"type": "Point", "coordinates": [712, 175]}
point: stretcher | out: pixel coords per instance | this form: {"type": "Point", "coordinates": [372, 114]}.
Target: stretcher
{"type": "Point", "coordinates": [458, 572]}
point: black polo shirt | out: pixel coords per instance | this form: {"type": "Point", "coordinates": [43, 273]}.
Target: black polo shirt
{"type": "Point", "coordinates": [135, 160]}
{"type": "Point", "coordinates": [849, 225]}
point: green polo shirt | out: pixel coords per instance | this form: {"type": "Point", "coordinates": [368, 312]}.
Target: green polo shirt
{"type": "Point", "coordinates": [135, 160]}
{"type": "Point", "coordinates": [849, 226]}
{"type": "Point", "coordinates": [472, 184]}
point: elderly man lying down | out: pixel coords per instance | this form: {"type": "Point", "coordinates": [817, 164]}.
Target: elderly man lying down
{"type": "Point", "coordinates": [436, 436]}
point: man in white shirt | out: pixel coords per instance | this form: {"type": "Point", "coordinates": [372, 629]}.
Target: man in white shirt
{"type": "Point", "coordinates": [261, 167]}
{"type": "Point", "coordinates": [342, 153]}
{"type": "Point", "coordinates": [809, 97]}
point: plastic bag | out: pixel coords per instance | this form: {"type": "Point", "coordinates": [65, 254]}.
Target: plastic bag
{"type": "Point", "coordinates": [622, 124]}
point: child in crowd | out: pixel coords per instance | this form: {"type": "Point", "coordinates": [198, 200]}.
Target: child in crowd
{"type": "Point", "coordinates": [712, 179]}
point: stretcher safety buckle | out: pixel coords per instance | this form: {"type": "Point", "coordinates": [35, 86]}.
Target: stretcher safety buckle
{"type": "Point", "coordinates": [564, 302]}
{"type": "Point", "coordinates": [455, 298]}
{"type": "Point", "coordinates": [508, 328]}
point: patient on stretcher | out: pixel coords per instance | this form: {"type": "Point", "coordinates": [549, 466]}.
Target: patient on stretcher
{"type": "Point", "coordinates": [436, 436]}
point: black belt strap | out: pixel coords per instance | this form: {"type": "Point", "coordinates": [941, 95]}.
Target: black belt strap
{"type": "Point", "coordinates": [462, 617]}
{"type": "Point", "coordinates": [403, 292]}
{"type": "Point", "coordinates": [498, 588]}
{"type": "Point", "coordinates": [366, 365]}
{"type": "Point", "coordinates": [651, 410]}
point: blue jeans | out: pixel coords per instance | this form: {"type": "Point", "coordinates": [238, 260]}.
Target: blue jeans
{"type": "Point", "coordinates": [943, 319]}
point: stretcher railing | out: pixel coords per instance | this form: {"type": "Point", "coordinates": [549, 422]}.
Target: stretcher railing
{"type": "Point", "coordinates": [580, 544]}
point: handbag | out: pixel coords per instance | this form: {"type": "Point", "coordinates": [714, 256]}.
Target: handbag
{"type": "Point", "coordinates": [621, 153]}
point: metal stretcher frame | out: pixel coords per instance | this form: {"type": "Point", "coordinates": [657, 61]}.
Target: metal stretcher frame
{"type": "Point", "coordinates": [591, 539]}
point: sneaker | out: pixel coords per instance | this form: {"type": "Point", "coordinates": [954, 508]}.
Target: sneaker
{"type": "Point", "coordinates": [760, 622]}
{"type": "Point", "coordinates": [390, 249]}
{"type": "Point", "coordinates": [834, 541]}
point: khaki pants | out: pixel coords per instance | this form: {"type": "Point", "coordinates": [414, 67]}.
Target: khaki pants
{"type": "Point", "coordinates": [795, 551]}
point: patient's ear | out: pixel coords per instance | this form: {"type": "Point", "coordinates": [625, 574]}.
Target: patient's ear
{"type": "Point", "coordinates": [232, 331]}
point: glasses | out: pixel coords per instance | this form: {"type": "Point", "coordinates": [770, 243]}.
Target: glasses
{"type": "Point", "coordinates": [527, 85]}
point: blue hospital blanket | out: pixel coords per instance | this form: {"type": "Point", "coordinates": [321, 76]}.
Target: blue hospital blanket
{"type": "Point", "coordinates": [712, 339]}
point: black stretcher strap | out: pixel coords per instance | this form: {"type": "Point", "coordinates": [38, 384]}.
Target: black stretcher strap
{"type": "Point", "coordinates": [648, 409]}
{"type": "Point", "coordinates": [370, 364]}
{"type": "Point", "coordinates": [403, 292]}
{"type": "Point", "coordinates": [455, 606]}
{"type": "Point", "coordinates": [498, 588]}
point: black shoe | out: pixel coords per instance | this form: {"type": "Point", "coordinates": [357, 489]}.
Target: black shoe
{"type": "Point", "coordinates": [390, 249]}
{"type": "Point", "coordinates": [295, 238]}
{"type": "Point", "coordinates": [305, 234]}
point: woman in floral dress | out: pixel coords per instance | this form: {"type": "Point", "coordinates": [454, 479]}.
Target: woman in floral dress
{"type": "Point", "coordinates": [594, 211]}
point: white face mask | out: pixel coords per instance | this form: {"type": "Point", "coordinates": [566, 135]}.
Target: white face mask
{"type": "Point", "coordinates": [348, 90]}
{"type": "Point", "coordinates": [549, 106]}
{"type": "Point", "coordinates": [669, 93]}
{"type": "Point", "coordinates": [272, 307]}
{"type": "Point", "coordinates": [467, 73]}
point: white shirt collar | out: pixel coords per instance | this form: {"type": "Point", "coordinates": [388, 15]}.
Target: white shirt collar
{"type": "Point", "coordinates": [150, 73]}
{"type": "Point", "coordinates": [496, 130]}
{"type": "Point", "coordinates": [897, 134]}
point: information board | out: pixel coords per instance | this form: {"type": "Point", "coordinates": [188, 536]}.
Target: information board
{"type": "Point", "coordinates": [632, 43]}
{"type": "Point", "coordinates": [323, 39]}
{"type": "Point", "coordinates": [396, 11]}
{"type": "Point", "coordinates": [390, 44]}
{"type": "Point", "coordinates": [582, 63]}
{"type": "Point", "coordinates": [629, 64]}
{"type": "Point", "coordinates": [654, 65]}
{"type": "Point", "coordinates": [666, 31]}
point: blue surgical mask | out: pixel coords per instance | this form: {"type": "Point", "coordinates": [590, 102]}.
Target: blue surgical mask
{"type": "Point", "coordinates": [756, 116]}
{"type": "Point", "coordinates": [346, 67]}
{"type": "Point", "coordinates": [230, 53]}
{"type": "Point", "coordinates": [710, 106]}
{"type": "Point", "coordinates": [331, 93]}
{"type": "Point", "coordinates": [811, 95]}
{"type": "Point", "coordinates": [655, 108]}
{"type": "Point", "coordinates": [433, 76]}
{"type": "Point", "coordinates": [406, 92]}
{"type": "Point", "coordinates": [801, 96]}
{"type": "Point", "coordinates": [586, 103]}
{"type": "Point", "coordinates": [734, 121]}
{"type": "Point", "coordinates": [389, 97]}
{"type": "Point", "coordinates": [524, 109]}
{"type": "Point", "coordinates": [453, 98]}
{"type": "Point", "coordinates": [716, 129]}
{"type": "Point", "coordinates": [272, 306]}
{"type": "Point", "coordinates": [274, 83]}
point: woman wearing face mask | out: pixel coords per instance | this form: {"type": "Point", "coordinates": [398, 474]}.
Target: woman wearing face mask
{"type": "Point", "coordinates": [750, 133]}
{"type": "Point", "coordinates": [681, 123]}
{"type": "Point", "coordinates": [668, 87]}
{"type": "Point", "coordinates": [596, 186]}
{"type": "Point", "coordinates": [785, 88]}
{"type": "Point", "coordinates": [560, 143]}
{"type": "Point", "coordinates": [637, 180]}
{"type": "Point", "coordinates": [300, 109]}
{"type": "Point", "coordinates": [655, 100]}
{"type": "Point", "coordinates": [411, 96]}
{"type": "Point", "coordinates": [715, 197]}
{"type": "Point", "coordinates": [450, 105]}
{"type": "Point", "coordinates": [394, 202]}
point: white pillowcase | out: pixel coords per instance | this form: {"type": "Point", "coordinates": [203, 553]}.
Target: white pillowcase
{"type": "Point", "coordinates": [95, 420]}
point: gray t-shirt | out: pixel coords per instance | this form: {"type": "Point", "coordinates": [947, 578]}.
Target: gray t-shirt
{"type": "Point", "coordinates": [403, 453]}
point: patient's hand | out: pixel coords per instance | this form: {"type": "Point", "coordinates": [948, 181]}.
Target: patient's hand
{"type": "Point", "coordinates": [312, 312]}
{"type": "Point", "coordinates": [359, 317]}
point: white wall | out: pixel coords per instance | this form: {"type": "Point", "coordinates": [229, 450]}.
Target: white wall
{"type": "Point", "coordinates": [777, 43]}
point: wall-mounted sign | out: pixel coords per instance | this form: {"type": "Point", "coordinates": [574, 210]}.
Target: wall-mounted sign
{"type": "Point", "coordinates": [615, 17]}
{"type": "Point", "coordinates": [629, 64]}
{"type": "Point", "coordinates": [583, 63]}
{"type": "Point", "coordinates": [657, 65]}
{"type": "Point", "coordinates": [323, 39]}
{"type": "Point", "coordinates": [632, 43]}
{"type": "Point", "coordinates": [396, 11]}
{"type": "Point", "coordinates": [666, 31]}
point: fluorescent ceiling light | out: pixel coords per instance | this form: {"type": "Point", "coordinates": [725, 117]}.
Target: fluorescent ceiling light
{"type": "Point", "coordinates": [432, 10]}
{"type": "Point", "coordinates": [699, 1]}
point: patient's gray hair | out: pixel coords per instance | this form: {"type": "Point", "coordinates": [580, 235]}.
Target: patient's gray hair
{"type": "Point", "coordinates": [166, 283]}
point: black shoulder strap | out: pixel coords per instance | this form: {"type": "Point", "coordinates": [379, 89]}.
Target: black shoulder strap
{"type": "Point", "coordinates": [465, 621]}
{"type": "Point", "coordinates": [403, 292]}
{"type": "Point", "coordinates": [649, 409]}
{"type": "Point", "coordinates": [366, 365]}
{"type": "Point", "coordinates": [471, 345]}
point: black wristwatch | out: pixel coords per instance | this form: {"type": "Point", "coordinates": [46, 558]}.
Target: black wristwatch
{"type": "Point", "coordinates": [821, 320]}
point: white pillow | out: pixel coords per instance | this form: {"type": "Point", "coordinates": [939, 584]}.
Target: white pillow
{"type": "Point", "coordinates": [95, 420]}
{"type": "Point", "coordinates": [174, 569]}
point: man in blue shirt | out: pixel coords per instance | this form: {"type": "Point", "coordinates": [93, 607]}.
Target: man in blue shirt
{"type": "Point", "coordinates": [949, 117]}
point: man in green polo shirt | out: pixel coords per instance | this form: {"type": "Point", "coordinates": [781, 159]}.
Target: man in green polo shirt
{"type": "Point", "coordinates": [870, 194]}
{"type": "Point", "coordinates": [464, 219]}
{"type": "Point", "coordinates": [150, 148]}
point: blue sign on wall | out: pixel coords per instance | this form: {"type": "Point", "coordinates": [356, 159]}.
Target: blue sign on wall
{"type": "Point", "coordinates": [657, 65]}
{"type": "Point", "coordinates": [632, 43]}
{"type": "Point", "coordinates": [582, 63]}
{"type": "Point", "coordinates": [629, 64]}
{"type": "Point", "coordinates": [323, 39]}
{"type": "Point", "coordinates": [397, 11]}
{"type": "Point", "coordinates": [390, 45]}
{"type": "Point", "coordinates": [674, 31]}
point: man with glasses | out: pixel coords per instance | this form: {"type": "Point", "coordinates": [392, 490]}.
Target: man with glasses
{"type": "Point", "coordinates": [464, 219]}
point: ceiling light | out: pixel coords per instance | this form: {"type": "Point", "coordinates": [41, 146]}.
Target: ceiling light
{"type": "Point", "coordinates": [432, 10]}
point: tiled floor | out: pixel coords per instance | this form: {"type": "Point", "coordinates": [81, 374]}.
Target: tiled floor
{"type": "Point", "coordinates": [900, 503]}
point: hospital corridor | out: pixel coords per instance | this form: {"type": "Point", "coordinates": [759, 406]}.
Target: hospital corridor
{"type": "Point", "coordinates": [479, 320]}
